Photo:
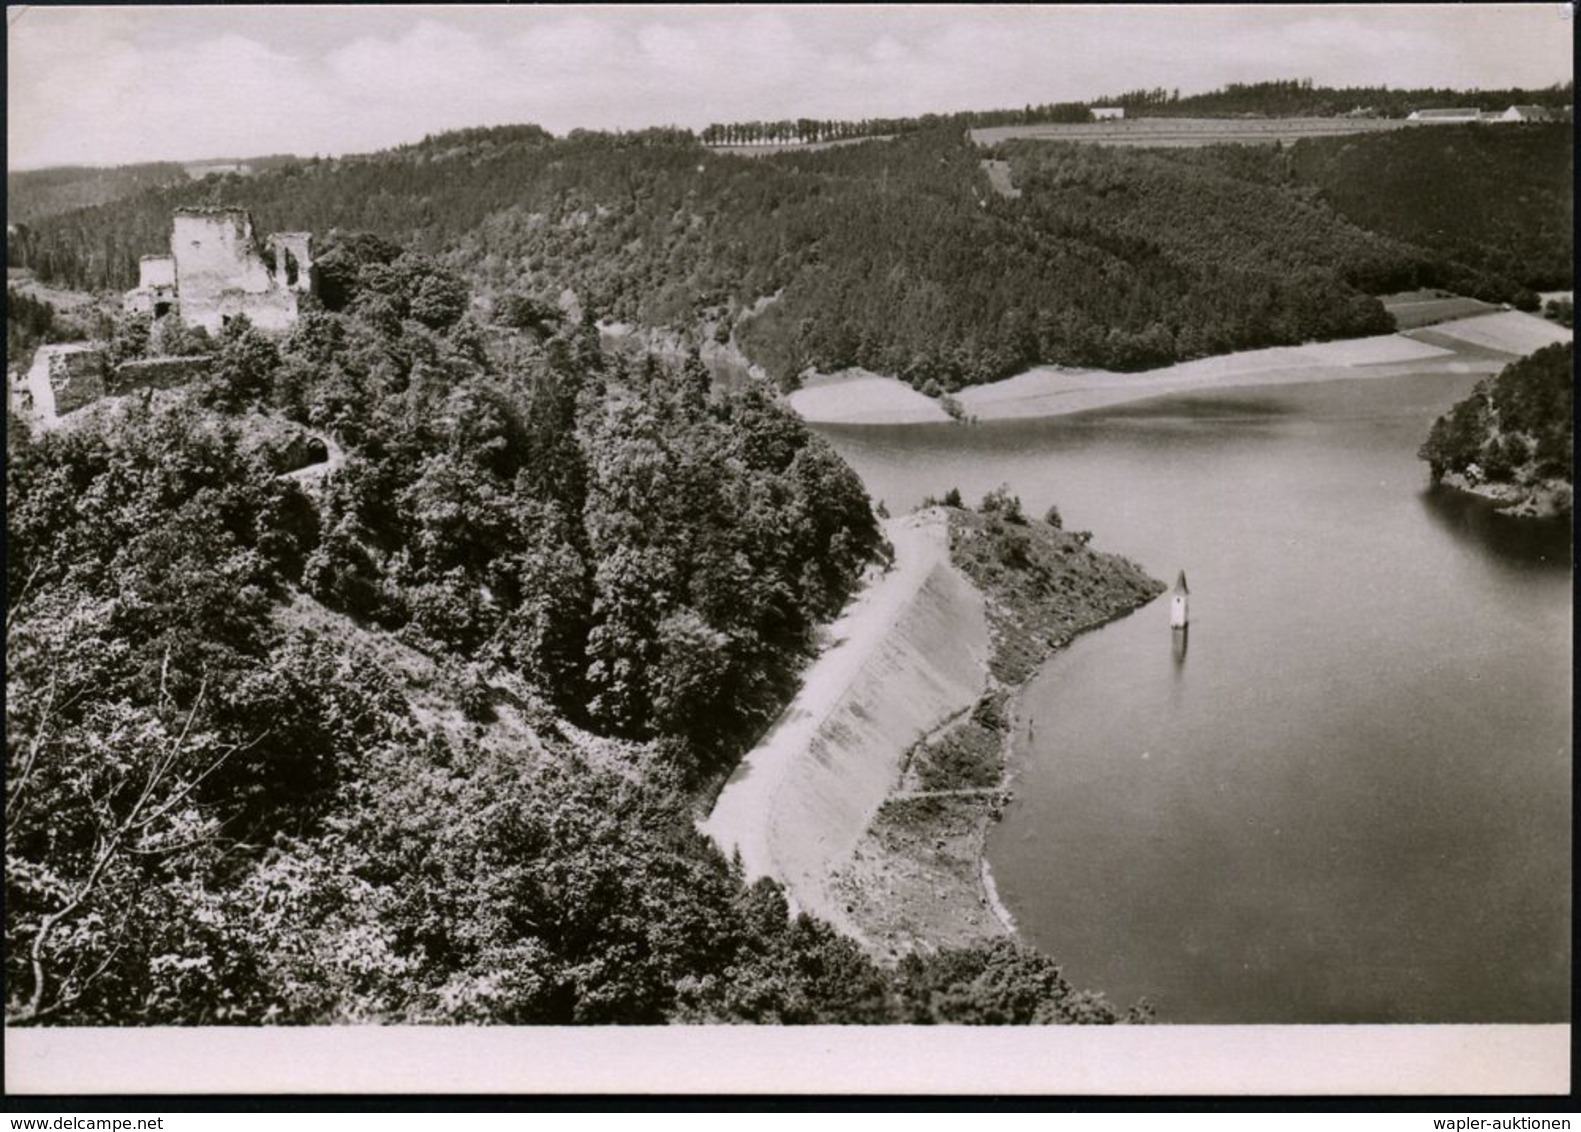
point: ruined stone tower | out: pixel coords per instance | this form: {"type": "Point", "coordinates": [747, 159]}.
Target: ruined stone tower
{"type": "Point", "coordinates": [155, 293]}
{"type": "Point", "coordinates": [216, 271]}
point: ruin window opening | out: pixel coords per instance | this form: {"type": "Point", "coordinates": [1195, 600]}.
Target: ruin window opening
{"type": "Point", "coordinates": [293, 269]}
{"type": "Point", "coordinates": [161, 310]}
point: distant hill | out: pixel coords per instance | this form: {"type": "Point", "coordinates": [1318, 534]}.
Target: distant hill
{"type": "Point", "coordinates": [1301, 98]}
{"type": "Point", "coordinates": [1280, 98]}
{"type": "Point", "coordinates": [1498, 198]}
{"type": "Point", "coordinates": [898, 255]}
{"type": "Point", "coordinates": [39, 193]}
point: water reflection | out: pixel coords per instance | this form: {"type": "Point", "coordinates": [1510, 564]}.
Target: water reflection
{"type": "Point", "coordinates": [1177, 648]}
{"type": "Point", "coordinates": [1520, 544]}
{"type": "Point", "coordinates": [1197, 408]}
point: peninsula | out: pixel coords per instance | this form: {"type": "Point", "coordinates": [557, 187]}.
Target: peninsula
{"type": "Point", "coordinates": [871, 797]}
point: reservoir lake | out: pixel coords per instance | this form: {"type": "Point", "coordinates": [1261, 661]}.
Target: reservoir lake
{"type": "Point", "coordinates": [1345, 796]}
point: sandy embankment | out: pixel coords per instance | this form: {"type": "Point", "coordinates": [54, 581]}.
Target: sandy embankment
{"type": "Point", "coordinates": [859, 396]}
{"type": "Point", "coordinates": [909, 652]}
{"type": "Point", "coordinates": [1482, 343]}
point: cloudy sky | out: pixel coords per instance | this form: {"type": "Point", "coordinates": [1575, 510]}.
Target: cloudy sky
{"type": "Point", "coordinates": [112, 85]}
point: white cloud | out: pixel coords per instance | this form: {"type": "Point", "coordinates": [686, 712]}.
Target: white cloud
{"type": "Point", "coordinates": [127, 84]}
{"type": "Point", "coordinates": [431, 63]}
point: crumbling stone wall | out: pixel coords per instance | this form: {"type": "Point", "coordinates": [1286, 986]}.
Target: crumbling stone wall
{"type": "Point", "coordinates": [220, 272]}
{"type": "Point", "coordinates": [155, 293]}
{"type": "Point", "coordinates": [293, 260]}
{"type": "Point", "coordinates": [66, 376]}
{"type": "Point", "coordinates": [217, 270]}
{"type": "Point", "coordinates": [157, 373]}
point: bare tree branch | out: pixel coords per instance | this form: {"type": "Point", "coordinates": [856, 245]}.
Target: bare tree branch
{"type": "Point", "coordinates": [22, 594]}
{"type": "Point", "coordinates": [108, 845]}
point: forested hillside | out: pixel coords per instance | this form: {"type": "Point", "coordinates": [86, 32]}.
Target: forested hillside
{"type": "Point", "coordinates": [1514, 437]}
{"type": "Point", "coordinates": [424, 744]}
{"type": "Point", "coordinates": [1494, 198]}
{"type": "Point", "coordinates": [899, 256]}
{"type": "Point", "coordinates": [38, 193]}
{"type": "Point", "coordinates": [1301, 98]}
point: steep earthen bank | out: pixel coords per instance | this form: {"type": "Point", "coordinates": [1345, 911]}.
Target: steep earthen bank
{"type": "Point", "coordinates": [909, 653]}
{"type": "Point", "coordinates": [871, 798]}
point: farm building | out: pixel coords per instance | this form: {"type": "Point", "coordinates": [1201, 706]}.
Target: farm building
{"type": "Point", "coordinates": [1107, 113]}
{"type": "Point", "coordinates": [1526, 114]}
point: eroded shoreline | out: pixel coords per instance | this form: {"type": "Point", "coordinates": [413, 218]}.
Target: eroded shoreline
{"type": "Point", "coordinates": [1478, 344]}
{"type": "Point", "coordinates": [871, 799]}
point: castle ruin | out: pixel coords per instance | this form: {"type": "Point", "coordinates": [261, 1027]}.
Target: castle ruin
{"type": "Point", "coordinates": [217, 270]}
{"type": "Point", "coordinates": [156, 286]}
{"type": "Point", "coordinates": [65, 376]}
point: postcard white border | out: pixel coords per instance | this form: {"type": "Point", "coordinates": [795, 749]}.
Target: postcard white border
{"type": "Point", "coordinates": [1156, 1060]}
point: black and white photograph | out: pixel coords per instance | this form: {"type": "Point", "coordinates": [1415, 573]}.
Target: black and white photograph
{"type": "Point", "coordinates": [703, 527]}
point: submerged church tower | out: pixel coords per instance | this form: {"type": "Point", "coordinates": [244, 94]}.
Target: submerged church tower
{"type": "Point", "coordinates": [1179, 599]}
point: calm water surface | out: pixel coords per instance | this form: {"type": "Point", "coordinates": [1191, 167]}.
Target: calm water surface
{"type": "Point", "coordinates": [1349, 800]}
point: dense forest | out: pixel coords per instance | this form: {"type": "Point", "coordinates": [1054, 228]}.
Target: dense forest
{"type": "Point", "coordinates": [424, 743]}
{"type": "Point", "coordinates": [1496, 200]}
{"type": "Point", "coordinates": [1300, 98]}
{"type": "Point", "coordinates": [1517, 428]}
{"type": "Point", "coordinates": [898, 256]}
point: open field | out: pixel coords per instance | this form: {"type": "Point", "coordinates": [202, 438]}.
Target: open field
{"type": "Point", "coordinates": [70, 302]}
{"type": "Point", "coordinates": [1412, 309]}
{"type": "Point", "coordinates": [1506, 332]}
{"type": "Point", "coordinates": [1188, 132]}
